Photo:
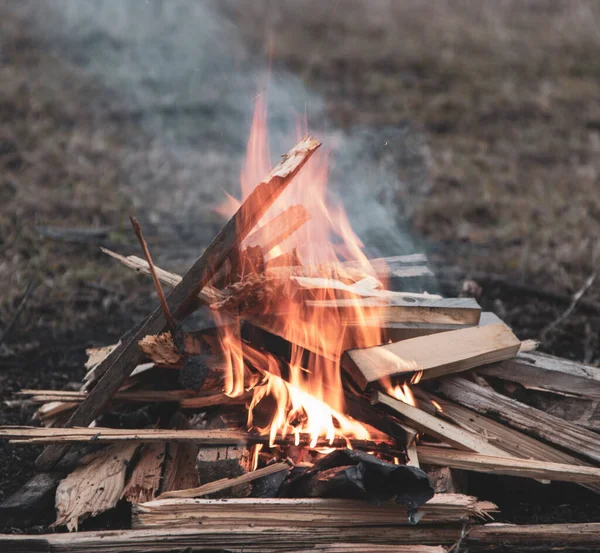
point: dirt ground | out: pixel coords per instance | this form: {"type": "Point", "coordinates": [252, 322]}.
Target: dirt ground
{"type": "Point", "coordinates": [507, 93]}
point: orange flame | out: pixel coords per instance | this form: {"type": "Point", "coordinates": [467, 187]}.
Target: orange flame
{"type": "Point", "coordinates": [310, 399]}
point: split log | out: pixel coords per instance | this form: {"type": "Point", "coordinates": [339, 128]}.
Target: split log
{"type": "Point", "coordinates": [537, 371]}
{"type": "Point", "coordinates": [523, 417]}
{"type": "Point", "coordinates": [225, 462]}
{"type": "Point", "coordinates": [144, 482]}
{"type": "Point", "coordinates": [180, 470]}
{"type": "Point", "coordinates": [406, 309]}
{"type": "Point", "coordinates": [557, 536]}
{"type": "Point", "coordinates": [95, 487]}
{"type": "Point", "coordinates": [446, 480]}
{"type": "Point", "coordinates": [278, 229]}
{"type": "Point", "coordinates": [35, 435]}
{"type": "Point", "coordinates": [526, 468]}
{"type": "Point", "coordinates": [435, 356]}
{"type": "Point", "coordinates": [122, 360]}
{"type": "Point", "coordinates": [227, 483]}
{"type": "Point", "coordinates": [433, 426]}
{"type": "Point", "coordinates": [585, 413]}
{"type": "Point", "coordinates": [247, 538]}
{"type": "Point", "coordinates": [302, 513]}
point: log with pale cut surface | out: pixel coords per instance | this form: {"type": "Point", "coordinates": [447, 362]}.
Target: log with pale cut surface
{"type": "Point", "coordinates": [512, 466]}
{"type": "Point", "coordinates": [303, 513]}
{"type": "Point", "coordinates": [537, 371]}
{"type": "Point", "coordinates": [436, 355]}
{"type": "Point", "coordinates": [124, 358]}
{"type": "Point", "coordinates": [522, 417]}
{"type": "Point", "coordinates": [402, 309]}
{"type": "Point", "coordinates": [435, 427]}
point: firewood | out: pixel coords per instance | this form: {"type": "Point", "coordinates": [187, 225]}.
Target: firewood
{"type": "Point", "coordinates": [122, 361]}
{"type": "Point", "coordinates": [537, 371]}
{"type": "Point", "coordinates": [278, 229]}
{"type": "Point", "coordinates": [247, 538]}
{"type": "Point", "coordinates": [225, 462]}
{"type": "Point", "coordinates": [508, 439]}
{"type": "Point", "coordinates": [227, 483]}
{"type": "Point", "coordinates": [94, 487]}
{"type": "Point", "coordinates": [406, 309]}
{"type": "Point", "coordinates": [446, 480]}
{"type": "Point", "coordinates": [527, 468]}
{"type": "Point", "coordinates": [559, 536]}
{"type": "Point", "coordinates": [303, 513]}
{"type": "Point", "coordinates": [144, 482]}
{"type": "Point", "coordinates": [436, 355]}
{"type": "Point", "coordinates": [433, 426]}
{"type": "Point", "coordinates": [523, 417]}
{"type": "Point", "coordinates": [585, 413]}
{"type": "Point", "coordinates": [34, 435]}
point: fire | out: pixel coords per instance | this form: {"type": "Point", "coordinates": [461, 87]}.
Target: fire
{"type": "Point", "coordinates": [309, 398]}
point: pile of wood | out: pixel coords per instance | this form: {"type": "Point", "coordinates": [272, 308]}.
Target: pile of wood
{"type": "Point", "coordinates": [152, 427]}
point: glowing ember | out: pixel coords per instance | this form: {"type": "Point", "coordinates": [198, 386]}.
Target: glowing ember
{"type": "Point", "coordinates": [437, 406]}
{"type": "Point", "coordinates": [309, 396]}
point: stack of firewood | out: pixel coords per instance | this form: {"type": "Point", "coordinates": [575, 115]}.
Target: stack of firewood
{"type": "Point", "coordinates": [151, 424]}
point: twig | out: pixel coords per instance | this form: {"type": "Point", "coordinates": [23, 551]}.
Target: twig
{"type": "Point", "coordinates": [17, 314]}
{"type": "Point", "coordinates": [576, 297]}
{"type": "Point", "coordinates": [161, 295]}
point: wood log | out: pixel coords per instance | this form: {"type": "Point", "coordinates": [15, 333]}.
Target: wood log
{"type": "Point", "coordinates": [512, 466]}
{"type": "Point", "coordinates": [212, 438]}
{"type": "Point", "coordinates": [522, 417]}
{"type": "Point", "coordinates": [236, 538]}
{"type": "Point", "coordinates": [94, 487]}
{"type": "Point", "coordinates": [122, 360]}
{"type": "Point", "coordinates": [537, 371]}
{"type": "Point", "coordinates": [144, 482]}
{"type": "Point", "coordinates": [303, 513]}
{"type": "Point", "coordinates": [508, 439]}
{"type": "Point", "coordinates": [225, 462]}
{"type": "Point", "coordinates": [559, 536]}
{"type": "Point", "coordinates": [227, 483]}
{"type": "Point", "coordinates": [436, 355]}
{"type": "Point", "coordinates": [433, 426]}
{"type": "Point", "coordinates": [278, 229]}
{"type": "Point", "coordinates": [446, 480]}
{"type": "Point", "coordinates": [406, 309]}
{"type": "Point", "coordinates": [585, 413]}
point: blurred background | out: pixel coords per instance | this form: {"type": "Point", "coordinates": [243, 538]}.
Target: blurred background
{"type": "Point", "coordinates": [468, 130]}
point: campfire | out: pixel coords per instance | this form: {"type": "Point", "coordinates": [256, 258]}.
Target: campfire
{"type": "Point", "coordinates": [289, 393]}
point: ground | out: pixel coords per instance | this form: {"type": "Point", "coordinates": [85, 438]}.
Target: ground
{"type": "Point", "coordinates": [507, 94]}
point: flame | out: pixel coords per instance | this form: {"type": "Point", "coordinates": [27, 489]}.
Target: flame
{"type": "Point", "coordinates": [403, 393]}
{"type": "Point", "coordinates": [309, 398]}
{"type": "Point", "coordinates": [437, 406]}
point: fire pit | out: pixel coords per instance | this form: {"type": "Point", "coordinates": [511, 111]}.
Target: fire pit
{"type": "Point", "coordinates": [312, 404]}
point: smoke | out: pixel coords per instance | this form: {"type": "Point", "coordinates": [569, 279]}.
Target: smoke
{"type": "Point", "coordinates": [182, 71]}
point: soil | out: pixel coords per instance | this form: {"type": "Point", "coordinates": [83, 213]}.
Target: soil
{"type": "Point", "coordinates": [507, 95]}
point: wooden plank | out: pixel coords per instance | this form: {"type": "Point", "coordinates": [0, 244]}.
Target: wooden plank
{"type": "Point", "coordinates": [435, 427]}
{"type": "Point", "coordinates": [305, 513]}
{"type": "Point", "coordinates": [406, 309]}
{"type": "Point", "coordinates": [582, 412]}
{"type": "Point", "coordinates": [238, 538]}
{"type": "Point", "coordinates": [558, 536]}
{"type": "Point", "coordinates": [120, 363]}
{"type": "Point", "coordinates": [546, 373]}
{"type": "Point", "coordinates": [511, 466]}
{"type": "Point", "coordinates": [278, 229]}
{"type": "Point", "coordinates": [36, 435]}
{"type": "Point", "coordinates": [436, 355]}
{"type": "Point", "coordinates": [522, 417]}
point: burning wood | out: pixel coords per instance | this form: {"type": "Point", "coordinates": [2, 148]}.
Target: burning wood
{"type": "Point", "coordinates": [258, 411]}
